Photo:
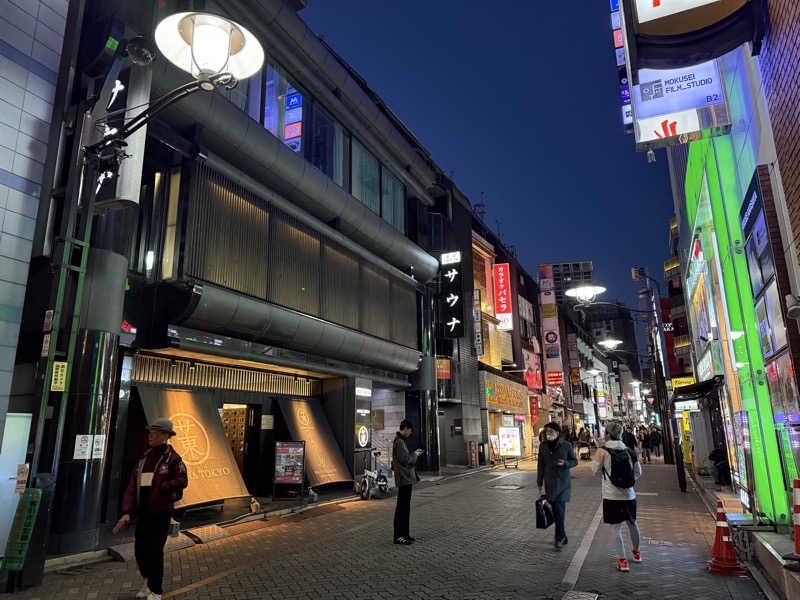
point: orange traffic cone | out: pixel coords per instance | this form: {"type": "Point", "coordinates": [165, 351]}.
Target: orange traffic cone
{"type": "Point", "coordinates": [723, 553]}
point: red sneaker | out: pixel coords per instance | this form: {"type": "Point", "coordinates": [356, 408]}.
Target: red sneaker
{"type": "Point", "coordinates": [622, 565]}
{"type": "Point", "coordinates": [637, 556]}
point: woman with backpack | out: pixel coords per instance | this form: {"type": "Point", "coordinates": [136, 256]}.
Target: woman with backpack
{"type": "Point", "coordinates": [620, 470]}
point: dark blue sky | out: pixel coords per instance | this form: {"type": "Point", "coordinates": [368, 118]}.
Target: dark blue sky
{"type": "Point", "coordinates": [520, 101]}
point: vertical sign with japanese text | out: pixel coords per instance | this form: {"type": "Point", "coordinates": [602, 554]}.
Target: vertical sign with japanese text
{"type": "Point", "coordinates": [502, 297]}
{"type": "Point", "coordinates": [476, 322]}
{"type": "Point", "coordinates": [451, 301]}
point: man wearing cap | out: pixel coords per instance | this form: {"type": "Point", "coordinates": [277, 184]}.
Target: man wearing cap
{"type": "Point", "coordinates": [556, 458]}
{"type": "Point", "coordinates": [156, 484]}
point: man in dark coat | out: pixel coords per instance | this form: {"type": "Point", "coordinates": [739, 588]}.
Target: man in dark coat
{"type": "Point", "coordinates": [403, 463]}
{"type": "Point", "coordinates": [628, 438]}
{"type": "Point", "coordinates": [156, 484]}
{"type": "Point", "coordinates": [556, 458]}
{"type": "Point", "coordinates": [655, 441]}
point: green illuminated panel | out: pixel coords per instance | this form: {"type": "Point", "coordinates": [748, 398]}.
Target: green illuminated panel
{"type": "Point", "coordinates": [714, 159]}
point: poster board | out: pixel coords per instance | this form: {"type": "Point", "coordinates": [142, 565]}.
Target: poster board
{"type": "Point", "coordinates": [290, 463]}
{"type": "Point", "coordinates": [510, 442]}
{"type": "Point", "coordinates": [494, 441]}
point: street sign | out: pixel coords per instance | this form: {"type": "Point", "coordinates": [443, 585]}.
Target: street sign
{"type": "Point", "coordinates": [21, 530]}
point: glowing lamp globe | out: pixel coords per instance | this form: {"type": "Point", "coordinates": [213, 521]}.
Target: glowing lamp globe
{"type": "Point", "coordinates": [206, 45]}
{"type": "Point", "coordinates": [586, 294]}
{"type": "Point", "coordinates": [610, 344]}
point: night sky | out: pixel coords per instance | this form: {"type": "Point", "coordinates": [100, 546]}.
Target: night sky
{"type": "Point", "coordinates": [518, 100]}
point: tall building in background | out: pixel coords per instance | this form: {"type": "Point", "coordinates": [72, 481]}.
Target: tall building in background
{"type": "Point", "coordinates": [615, 321]}
{"type": "Point", "coordinates": [673, 312]}
{"type": "Point", "coordinates": [567, 275]}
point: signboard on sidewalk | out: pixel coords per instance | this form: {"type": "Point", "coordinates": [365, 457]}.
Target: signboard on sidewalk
{"type": "Point", "coordinates": [509, 441]}
{"type": "Point", "coordinates": [289, 462]}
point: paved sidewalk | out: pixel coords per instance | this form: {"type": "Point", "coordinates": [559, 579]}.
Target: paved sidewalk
{"type": "Point", "coordinates": [477, 540]}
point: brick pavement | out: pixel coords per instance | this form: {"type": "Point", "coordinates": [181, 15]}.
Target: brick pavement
{"type": "Point", "coordinates": [475, 541]}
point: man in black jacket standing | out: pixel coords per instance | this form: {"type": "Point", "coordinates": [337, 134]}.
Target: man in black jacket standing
{"type": "Point", "coordinates": [403, 463]}
{"type": "Point", "coordinates": [556, 458]}
{"type": "Point", "coordinates": [628, 438]}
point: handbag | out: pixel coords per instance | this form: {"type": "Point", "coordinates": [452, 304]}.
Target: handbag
{"type": "Point", "coordinates": [544, 513]}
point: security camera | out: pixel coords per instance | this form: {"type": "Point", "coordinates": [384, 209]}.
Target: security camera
{"type": "Point", "coordinates": [793, 307]}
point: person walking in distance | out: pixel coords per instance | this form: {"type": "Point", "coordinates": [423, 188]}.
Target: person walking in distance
{"type": "Point", "coordinates": [620, 470]}
{"type": "Point", "coordinates": [156, 484]}
{"type": "Point", "coordinates": [556, 458]}
{"type": "Point", "coordinates": [655, 441]}
{"type": "Point", "coordinates": [403, 463]}
{"type": "Point", "coordinates": [629, 439]}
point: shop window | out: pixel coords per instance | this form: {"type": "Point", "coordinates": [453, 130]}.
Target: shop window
{"type": "Point", "coordinates": [327, 144]}
{"type": "Point", "coordinates": [283, 108]}
{"type": "Point", "coordinates": [393, 200]}
{"type": "Point", "coordinates": [366, 177]}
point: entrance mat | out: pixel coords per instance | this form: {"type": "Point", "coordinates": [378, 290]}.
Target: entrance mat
{"type": "Point", "coordinates": [204, 535]}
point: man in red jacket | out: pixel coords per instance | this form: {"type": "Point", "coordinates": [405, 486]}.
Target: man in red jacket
{"type": "Point", "coordinates": [156, 484]}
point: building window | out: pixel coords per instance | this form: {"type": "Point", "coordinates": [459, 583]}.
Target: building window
{"type": "Point", "coordinates": [327, 144]}
{"type": "Point", "coordinates": [393, 200]}
{"type": "Point", "coordinates": [366, 177]}
{"type": "Point", "coordinates": [283, 108]}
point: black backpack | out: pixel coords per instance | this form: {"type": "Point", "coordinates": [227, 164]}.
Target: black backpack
{"type": "Point", "coordinates": [621, 467]}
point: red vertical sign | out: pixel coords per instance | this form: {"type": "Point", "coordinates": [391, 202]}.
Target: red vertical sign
{"type": "Point", "coordinates": [502, 297]}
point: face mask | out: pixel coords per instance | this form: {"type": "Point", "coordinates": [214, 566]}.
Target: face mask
{"type": "Point", "coordinates": [552, 437]}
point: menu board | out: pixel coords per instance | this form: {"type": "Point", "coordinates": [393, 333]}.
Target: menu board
{"type": "Point", "coordinates": [289, 462]}
{"type": "Point", "coordinates": [509, 441]}
{"type": "Point", "coordinates": [495, 442]}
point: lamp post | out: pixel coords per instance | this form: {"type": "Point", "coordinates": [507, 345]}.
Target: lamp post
{"type": "Point", "coordinates": [82, 335]}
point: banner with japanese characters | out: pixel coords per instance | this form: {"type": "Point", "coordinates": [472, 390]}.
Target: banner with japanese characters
{"type": "Point", "coordinates": [502, 297]}
{"type": "Point", "coordinates": [451, 300]}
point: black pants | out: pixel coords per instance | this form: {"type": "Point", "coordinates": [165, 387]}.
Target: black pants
{"type": "Point", "coordinates": [151, 535]}
{"type": "Point", "coordinates": [402, 512]}
{"type": "Point", "coordinates": [559, 514]}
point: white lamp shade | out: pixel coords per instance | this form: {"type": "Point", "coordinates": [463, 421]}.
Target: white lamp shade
{"type": "Point", "coordinates": [585, 293]}
{"type": "Point", "coordinates": [204, 45]}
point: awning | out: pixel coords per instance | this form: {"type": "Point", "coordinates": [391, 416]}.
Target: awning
{"type": "Point", "coordinates": [200, 440]}
{"type": "Point", "coordinates": [307, 422]}
{"type": "Point", "coordinates": [696, 391]}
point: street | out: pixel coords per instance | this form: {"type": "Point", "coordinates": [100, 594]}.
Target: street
{"type": "Point", "coordinates": [476, 538]}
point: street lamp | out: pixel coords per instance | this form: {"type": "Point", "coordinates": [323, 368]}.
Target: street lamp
{"type": "Point", "coordinates": [585, 294]}
{"type": "Point", "coordinates": [610, 344]}
{"type": "Point", "coordinates": [208, 45]}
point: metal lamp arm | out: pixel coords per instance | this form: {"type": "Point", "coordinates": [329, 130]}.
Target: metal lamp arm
{"type": "Point", "coordinates": [160, 105]}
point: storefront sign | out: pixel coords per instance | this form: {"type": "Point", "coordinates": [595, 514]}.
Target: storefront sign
{"type": "Point", "coordinates": [533, 370]}
{"type": "Point", "coordinates": [508, 420]}
{"type": "Point", "coordinates": [451, 258]}
{"type": "Point", "coordinates": [476, 322]}
{"type": "Point", "coordinates": [555, 378]}
{"type": "Point", "coordinates": [705, 367]}
{"type": "Point", "coordinates": [509, 441]}
{"type": "Point", "coordinates": [200, 440]}
{"type": "Point", "coordinates": [23, 471]}
{"type": "Point", "coordinates": [494, 442]}
{"type": "Point", "coordinates": [502, 297]}
{"type": "Point", "coordinates": [503, 394]}
{"type": "Point", "coordinates": [533, 401]}
{"type": "Point", "coordinates": [289, 462]}
{"type": "Point", "coordinates": [683, 405]}
{"type": "Point", "coordinates": [443, 368]}
{"type": "Point", "coordinates": [682, 382]}
{"type": "Point", "coordinates": [451, 302]}
{"type": "Point", "coordinates": [306, 420]}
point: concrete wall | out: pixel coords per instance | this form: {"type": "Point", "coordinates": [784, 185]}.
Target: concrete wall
{"type": "Point", "coordinates": [31, 36]}
{"type": "Point", "coordinates": [393, 405]}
